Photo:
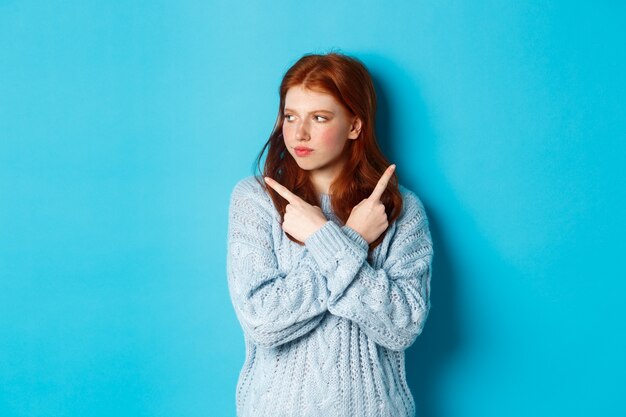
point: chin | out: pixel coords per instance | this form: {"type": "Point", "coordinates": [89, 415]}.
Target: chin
{"type": "Point", "coordinates": [305, 166]}
{"type": "Point", "coordinates": [305, 163]}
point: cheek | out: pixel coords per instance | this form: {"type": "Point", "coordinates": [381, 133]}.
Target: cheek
{"type": "Point", "coordinates": [331, 136]}
{"type": "Point", "coordinates": [286, 131]}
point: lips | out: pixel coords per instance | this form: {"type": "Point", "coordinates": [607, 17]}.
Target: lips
{"type": "Point", "coordinates": [302, 150]}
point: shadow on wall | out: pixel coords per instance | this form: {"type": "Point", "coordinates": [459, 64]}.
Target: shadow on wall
{"type": "Point", "coordinates": [442, 338]}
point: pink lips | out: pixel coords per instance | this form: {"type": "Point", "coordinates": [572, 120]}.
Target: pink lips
{"type": "Point", "coordinates": [302, 151]}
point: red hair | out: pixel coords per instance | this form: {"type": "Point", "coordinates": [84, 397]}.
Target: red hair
{"type": "Point", "coordinates": [348, 81]}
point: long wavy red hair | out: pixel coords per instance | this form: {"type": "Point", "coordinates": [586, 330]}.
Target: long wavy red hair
{"type": "Point", "coordinates": [349, 82]}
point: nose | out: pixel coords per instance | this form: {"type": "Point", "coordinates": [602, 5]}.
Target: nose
{"type": "Point", "coordinates": [302, 132]}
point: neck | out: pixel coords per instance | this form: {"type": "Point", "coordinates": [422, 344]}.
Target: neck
{"type": "Point", "coordinates": [322, 180]}
{"type": "Point", "coordinates": [321, 188]}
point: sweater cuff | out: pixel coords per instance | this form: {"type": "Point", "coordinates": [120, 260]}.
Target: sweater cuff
{"type": "Point", "coordinates": [329, 244]}
{"type": "Point", "coordinates": [356, 237]}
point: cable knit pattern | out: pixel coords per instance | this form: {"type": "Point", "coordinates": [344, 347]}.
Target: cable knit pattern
{"type": "Point", "coordinates": [326, 324]}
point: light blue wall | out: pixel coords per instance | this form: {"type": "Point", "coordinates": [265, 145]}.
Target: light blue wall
{"type": "Point", "coordinates": [124, 126]}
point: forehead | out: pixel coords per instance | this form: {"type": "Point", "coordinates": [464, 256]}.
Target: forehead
{"type": "Point", "coordinates": [302, 98]}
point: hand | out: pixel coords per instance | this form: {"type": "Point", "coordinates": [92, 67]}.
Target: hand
{"type": "Point", "coordinates": [301, 219]}
{"type": "Point", "coordinates": [369, 218]}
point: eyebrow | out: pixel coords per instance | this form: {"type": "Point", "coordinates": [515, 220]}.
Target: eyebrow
{"type": "Point", "coordinates": [314, 111]}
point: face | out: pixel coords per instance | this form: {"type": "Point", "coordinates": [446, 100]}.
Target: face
{"type": "Point", "coordinates": [316, 129]}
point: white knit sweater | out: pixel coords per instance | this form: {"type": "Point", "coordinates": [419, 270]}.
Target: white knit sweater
{"type": "Point", "coordinates": [325, 324]}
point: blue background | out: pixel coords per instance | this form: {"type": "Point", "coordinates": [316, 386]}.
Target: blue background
{"type": "Point", "coordinates": [124, 126]}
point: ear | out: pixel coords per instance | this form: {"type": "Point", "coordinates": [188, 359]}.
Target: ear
{"type": "Point", "coordinates": [355, 128]}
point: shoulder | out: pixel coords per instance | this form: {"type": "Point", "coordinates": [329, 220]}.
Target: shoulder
{"type": "Point", "coordinates": [412, 207]}
{"type": "Point", "coordinates": [249, 193]}
{"type": "Point", "coordinates": [412, 229]}
{"type": "Point", "coordinates": [249, 186]}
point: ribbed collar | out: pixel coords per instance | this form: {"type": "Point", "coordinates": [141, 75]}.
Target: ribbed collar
{"type": "Point", "coordinates": [325, 203]}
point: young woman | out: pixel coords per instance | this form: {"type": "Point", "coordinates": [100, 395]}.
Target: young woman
{"type": "Point", "coordinates": [329, 257]}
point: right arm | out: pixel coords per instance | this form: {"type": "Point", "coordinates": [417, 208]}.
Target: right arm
{"type": "Point", "coordinates": [273, 307]}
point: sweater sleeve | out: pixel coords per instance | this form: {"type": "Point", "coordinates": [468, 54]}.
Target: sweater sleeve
{"type": "Point", "coordinates": [390, 303]}
{"type": "Point", "coordinates": [273, 306]}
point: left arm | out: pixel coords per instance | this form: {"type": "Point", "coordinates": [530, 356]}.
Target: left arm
{"type": "Point", "coordinates": [391, 303]}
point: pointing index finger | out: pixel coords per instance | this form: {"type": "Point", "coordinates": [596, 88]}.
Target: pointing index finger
{"type": "Point", "coordinates": [381, 186]}
{"type": "Point", "coordinates": [282, 190]}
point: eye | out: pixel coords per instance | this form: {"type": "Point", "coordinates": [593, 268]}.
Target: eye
{"type": "Point", "coordinates": [320, 118]}
{"type": "Point", "coordinates": [288, 117]}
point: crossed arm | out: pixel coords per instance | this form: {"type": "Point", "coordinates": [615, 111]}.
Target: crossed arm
{"type": "Point", "coordinates": [390, 303]}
